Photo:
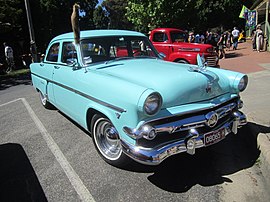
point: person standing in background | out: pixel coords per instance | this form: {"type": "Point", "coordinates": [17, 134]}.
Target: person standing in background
{"type": "Point", "coordinates": [259, 38]}
{"type": "Point", "coordinates": [221, 44]}
{"type": "Point", "coordinates": [9, 57]}
{"type": "Point", "coordinates": [253, 35]}
{"type": "Point", "coordinates": [228, 40]}
{"type": "Point", "coordinates": [235, 35]}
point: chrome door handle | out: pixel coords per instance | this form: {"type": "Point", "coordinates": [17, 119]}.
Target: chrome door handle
{"type": "Point", "coordinates": [56, 67]}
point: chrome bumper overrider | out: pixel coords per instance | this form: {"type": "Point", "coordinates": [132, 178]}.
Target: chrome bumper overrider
{"type": "Point", "coordinates": [192, 141]}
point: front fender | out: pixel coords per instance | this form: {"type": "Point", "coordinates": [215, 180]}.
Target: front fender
{"type": "Point", "coordinates": [118, 119]}
{"type": "Point", "coordinates": [189, 57]}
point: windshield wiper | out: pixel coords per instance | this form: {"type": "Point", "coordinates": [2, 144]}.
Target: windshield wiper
{"type": "Point", "coordinates": [118, 59]}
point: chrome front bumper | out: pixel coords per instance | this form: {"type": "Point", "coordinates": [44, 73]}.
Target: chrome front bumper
{"type": "Point", "coordinates": [192, 141]}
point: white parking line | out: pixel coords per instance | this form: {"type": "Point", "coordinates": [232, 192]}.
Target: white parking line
{"type": "Point", "coordinates": [7, 103]}
{"type": "Point", "coordinates": [73, 177]}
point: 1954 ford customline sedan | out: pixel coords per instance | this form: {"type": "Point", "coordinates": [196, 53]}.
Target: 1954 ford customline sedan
{"type": "Point", "coordinates": [116, 85]}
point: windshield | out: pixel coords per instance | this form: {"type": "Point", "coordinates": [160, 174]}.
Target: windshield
{"type": "Point", "coordinates": [100, 49]}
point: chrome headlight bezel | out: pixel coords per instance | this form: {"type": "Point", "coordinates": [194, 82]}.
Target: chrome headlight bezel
{"type": "Point", "coordinates": [152, 104]}
{"type": "Point", "coordinates": [243, 83]}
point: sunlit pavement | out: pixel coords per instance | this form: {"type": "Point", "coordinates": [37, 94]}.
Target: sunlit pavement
{"type": "Point", "coordinates": [257, 95]}
{"type": "Point", "coordinates": [245, 60]}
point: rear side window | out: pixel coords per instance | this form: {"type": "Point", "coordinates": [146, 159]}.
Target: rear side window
{"type": "Point", "coordinates": [160, 37]}
{"type": "Point", "coordinates": [53, 53]}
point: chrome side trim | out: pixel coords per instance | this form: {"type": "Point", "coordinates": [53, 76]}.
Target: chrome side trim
{"type": "Point", "coordinates": [155, 156]}
{"type": "Point", "coordinates": [118, 109]}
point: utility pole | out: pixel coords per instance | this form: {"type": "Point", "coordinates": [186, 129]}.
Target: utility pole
{"type": "Point", "coordinates": [33, 47]}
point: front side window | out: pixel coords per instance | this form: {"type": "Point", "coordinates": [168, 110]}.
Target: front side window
{"type": "Point", "coordinates": [53, 53]}
{"type": "Point", "coordinates": [114, 47]}
{"type": "Point", "coordinates": [69, 53]}
{"type": "Point", "coordinates": [160, 37]}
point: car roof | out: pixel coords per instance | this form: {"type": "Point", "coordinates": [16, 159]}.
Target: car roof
{"type": "Point", "coordinates": [98, 33]}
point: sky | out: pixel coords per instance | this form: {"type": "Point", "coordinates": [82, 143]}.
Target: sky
{"type": "Point", "coordinates": [99, 2]}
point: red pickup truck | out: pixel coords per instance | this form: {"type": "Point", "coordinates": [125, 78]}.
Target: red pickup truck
{"type": "Point", "coordinates": [171, 42]}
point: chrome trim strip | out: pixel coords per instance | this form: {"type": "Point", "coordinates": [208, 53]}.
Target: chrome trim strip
{"type": "Point", "coordinates": [155, 156]}
{"type": "Point", "coordinates": [118, 109]}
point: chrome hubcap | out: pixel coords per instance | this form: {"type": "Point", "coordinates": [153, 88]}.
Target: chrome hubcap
{"type": "Point", "coordinates": [107, 140]}
{"type": "Point", "coordinates": [43, 99]}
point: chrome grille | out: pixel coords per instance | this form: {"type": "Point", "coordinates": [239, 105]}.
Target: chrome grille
{"type": "Point", "coordinates": [211, 61]}
{"type": "Point", "coordinates": [177, 127]}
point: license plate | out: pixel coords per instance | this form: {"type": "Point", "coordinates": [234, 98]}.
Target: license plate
{"type": "Point", "coordinates": [214, 137]}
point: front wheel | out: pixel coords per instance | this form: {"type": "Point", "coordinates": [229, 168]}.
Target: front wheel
{"type": "Point", "coordinates": [107, 141]}
{"type": "Point", "coordinates": [182, 61]}
{"type": "Point", "coordinates": [44, 101]}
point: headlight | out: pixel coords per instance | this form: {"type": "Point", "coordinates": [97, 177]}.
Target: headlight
{"type": "Point", "coordinates": [210, 50]}
{"type": "Point", "coordinates": [152, 103]}
{"type": "Point", "coordinates": [243, 83]}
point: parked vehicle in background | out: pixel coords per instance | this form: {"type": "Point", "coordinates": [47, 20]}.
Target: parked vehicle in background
{"type": "Point", "coordinates": [172, 43]}
{"type": "Point", "coordinates": [116, 86]}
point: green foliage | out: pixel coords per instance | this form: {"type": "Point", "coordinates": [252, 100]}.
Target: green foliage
{"type": "Point", "coordinates": [197, 15]}
{"type": "Point", "coordinates": [146, 14]}
{"type": "Point", "coordinates": [52, 17]}
{"type": "Point", "coordinates": [100, 19]}
{"type": "Point", "coordinates": [116, 12]}
{"type": "Point", "coordinates": [10, 15]}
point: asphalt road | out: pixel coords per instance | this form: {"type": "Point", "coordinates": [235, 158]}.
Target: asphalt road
{"type": "Point", "coordinates": [44, 156]}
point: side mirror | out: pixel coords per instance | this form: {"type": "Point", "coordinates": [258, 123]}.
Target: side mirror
{"type": "Point", "coordinates": [73, 62]}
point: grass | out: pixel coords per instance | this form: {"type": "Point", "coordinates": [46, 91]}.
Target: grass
{"type": "Point", "coordinates": [16, 73]}
{"type": "Point", "coordinates": [258, 162]}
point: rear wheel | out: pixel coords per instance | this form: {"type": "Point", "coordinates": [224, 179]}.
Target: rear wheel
{"type": "Point", "coordinates": [107, 141]}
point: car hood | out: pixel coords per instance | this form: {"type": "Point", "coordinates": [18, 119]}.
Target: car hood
{"type": "Point", "coordinates": [176, 83]}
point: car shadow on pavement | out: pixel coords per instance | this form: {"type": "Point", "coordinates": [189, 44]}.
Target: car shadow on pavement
{"type": "Point", "coordinates": [233, 55]}
{"type": "Point", "coordinates": [7, 82]}
{"type": "Point", "coordinates": [210, 165]}
{"type": "Point", "coordinates": [18, 181]}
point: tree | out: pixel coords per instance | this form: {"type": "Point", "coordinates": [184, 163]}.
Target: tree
{"type": "Point", "coordinates": [10, 15]}
{"type": "Point", "coordinates": [51, 18]}
{"type": "Point", "coordinates": [116, 12]}
{"type": "Point", "coordinates": [145, 14]}
{"type": "Point", "coordinates": [101, 20]}
{"type": "Point", "coordinates": [195, 15]}
{"type": "Point", "coordinates": [87, 21]}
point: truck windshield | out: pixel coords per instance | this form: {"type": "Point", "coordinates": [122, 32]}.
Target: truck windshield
{"type": "Point", "coordinates": [101, 49]}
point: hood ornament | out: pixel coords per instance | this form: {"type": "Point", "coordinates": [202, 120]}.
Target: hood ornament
{"type": "Point", "coordinates": [201, 64]}
{"type": "Point", "coordinates": [209, 87]}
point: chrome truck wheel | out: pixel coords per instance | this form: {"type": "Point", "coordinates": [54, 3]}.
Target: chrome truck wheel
{"type": "Point", "coordinates": [106, 141]}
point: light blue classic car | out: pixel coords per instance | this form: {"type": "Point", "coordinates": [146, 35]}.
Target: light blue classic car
{"type": "Point", "coordinates": [115, 85]}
